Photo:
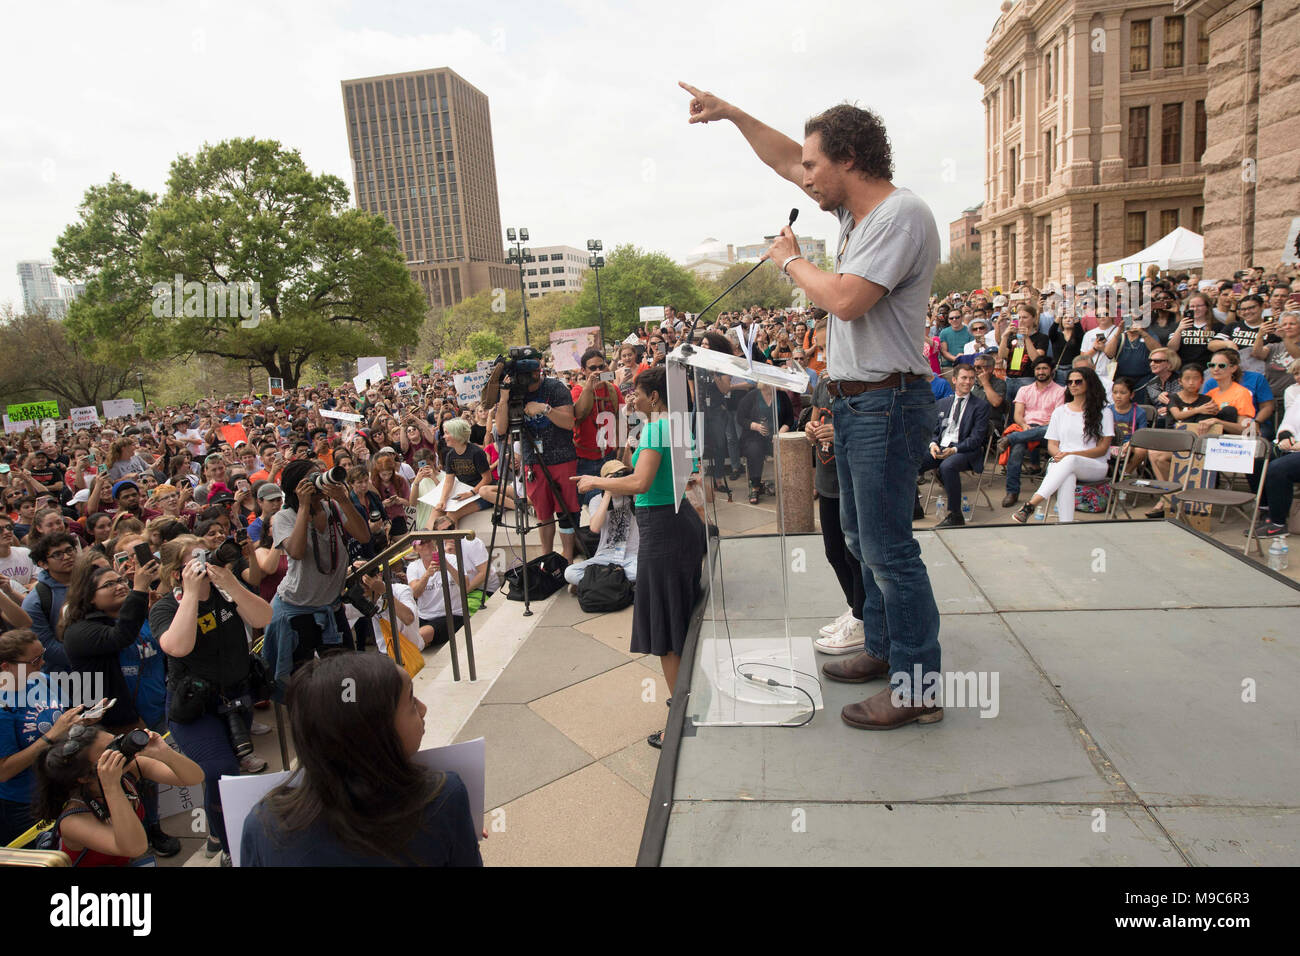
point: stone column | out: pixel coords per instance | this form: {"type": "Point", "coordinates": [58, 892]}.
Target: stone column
{"type": "Point", "coordinates": [795, 478]}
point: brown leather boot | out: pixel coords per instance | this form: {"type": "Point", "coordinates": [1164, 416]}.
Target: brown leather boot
{"type": "Point", "coordinates": [1011, 498]}
{"type": "Point", "coordinates": [879, 713]}
{"type": "Point", "coordinates": [857, 669]}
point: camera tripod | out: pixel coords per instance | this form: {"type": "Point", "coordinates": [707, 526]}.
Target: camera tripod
{"type": "Point", "coordinates": [517, 431]}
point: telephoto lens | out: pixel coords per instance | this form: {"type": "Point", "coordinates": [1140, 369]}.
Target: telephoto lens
{"type": "Point", "coordinates": [238, 730]}
{"type": "Point", "coordinates": [130, 743]}
{"type": "Point", "coordinates": [338, 476]}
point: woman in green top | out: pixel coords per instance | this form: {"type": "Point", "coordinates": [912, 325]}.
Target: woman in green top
{"type": "Point", "coordinates": [671, 548]}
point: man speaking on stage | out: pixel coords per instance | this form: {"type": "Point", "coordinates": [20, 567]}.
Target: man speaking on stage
{"type": "Point", "coordinates": [883, 409]}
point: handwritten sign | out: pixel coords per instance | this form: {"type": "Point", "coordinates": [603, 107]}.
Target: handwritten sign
{"type": "Point", "coordinates": [650, 313]}
{"type": "Point", "coordinates": [341, 416]}
{"type": "Point", "coordinates": [33, 411]}
{"type": "Point", "coordinates": [13, 428]}
{"type": "Point", "coordinates": [469, 387]}
{"type": "Point", "coordinates": [86, 417]}
{"type": "Point", "coordinates": [275, 387]}
{"type": "Point", "coordinates": [1236, 455]}
{"type": "Point", "coordinates": [372, 374]}
{"type": "Point", "coordinates": [567, 346]}
{"type": "Point", "coordinates": [438, 365]}
{"type": "Point", "coordinates": [366, 363]}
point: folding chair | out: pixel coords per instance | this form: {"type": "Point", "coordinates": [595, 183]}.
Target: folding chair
{"type": "Point", "coordinates": [979, 488]}
{"type": "Point", "coordinates": [1228, 497]}
{"type": "Point", "coordinates": [1178, 441]}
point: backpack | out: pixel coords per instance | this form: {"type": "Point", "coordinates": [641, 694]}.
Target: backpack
{"type": "Point", "coordinates": [545, 577]}
{"type": "Point", "coordinates": [604, 588]}
{"type": "Point", "coordinates": [1093, 499]}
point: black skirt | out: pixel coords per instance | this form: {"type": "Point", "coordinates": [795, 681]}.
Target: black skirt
{"type": "Point", "coordinates": [669, 560]}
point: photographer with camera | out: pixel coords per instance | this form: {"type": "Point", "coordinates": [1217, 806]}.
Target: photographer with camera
{"type": "Point", "coordinates": [547, 432]}
{"type": "Point", "coordinates": [311, 528]}
{"type": "Point", "coordinates": [200, 622]}
{"type": "Point", "coordinates": [596, 401]}
{"type": "Point", "coordinates": [89, 784]}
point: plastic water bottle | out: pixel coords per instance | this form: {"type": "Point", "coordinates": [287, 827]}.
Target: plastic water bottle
{"type": "Point", "coordinates": [966, 510]}
{"type": "Point", "coordinates": [1277, 554]}
{"type": "Point", "coordinates": [940, 507]}
{"type": "Point", "coordinates": [1040, 513]}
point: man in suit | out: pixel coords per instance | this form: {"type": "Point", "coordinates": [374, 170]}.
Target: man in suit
{"type": "Point", "coordinates": [958, 444]}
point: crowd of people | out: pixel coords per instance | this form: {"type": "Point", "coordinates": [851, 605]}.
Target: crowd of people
{"type": "Point", "coordinates": [1174, 350]}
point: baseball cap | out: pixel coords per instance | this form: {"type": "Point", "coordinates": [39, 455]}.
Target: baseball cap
{"type": "Point", "coordinates": [122, 484]}
{"type": "Point", "coordinates": [81, 497]}
{"type": "Point", "coordinates": [611, 468]}
{"type": "Point", "coordinates": [268, 491]}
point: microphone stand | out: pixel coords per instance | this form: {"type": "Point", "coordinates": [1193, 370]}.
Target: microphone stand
{"type": "Point", "coordinates": [690, 333]}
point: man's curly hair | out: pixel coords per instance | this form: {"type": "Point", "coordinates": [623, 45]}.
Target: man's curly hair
{"type": "Point", "coordinates": [848, 132]}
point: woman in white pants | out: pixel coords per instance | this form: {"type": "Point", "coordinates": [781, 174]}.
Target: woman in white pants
{"type": "Point", "coordinates": [1078, 439]}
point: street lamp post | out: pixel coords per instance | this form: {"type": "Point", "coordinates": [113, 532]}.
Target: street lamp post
{"type": "Point", "coordinates": [139, 377]}
{"type": "Point", "coordinates": [596, 261]}
{"type": "Point", "coordinates": [520, 255]}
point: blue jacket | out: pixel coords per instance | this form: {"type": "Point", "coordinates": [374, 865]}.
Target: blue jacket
{"type": "Point", "coordinates": [56, 658]}
{"type": "Point", "coordinates": [973, 430]}
{"type": "Point", "coordinates": [280, 640]}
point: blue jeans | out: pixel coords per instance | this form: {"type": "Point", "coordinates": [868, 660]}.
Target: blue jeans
{"type": "Point", "coordinates": [590, 466]}
{"type": "Point", "coordinates": [880, 438]}
{"type": "Point", "coordinates": [207, 742]}
{"type": "Point", "coordinates": [1019, 444]}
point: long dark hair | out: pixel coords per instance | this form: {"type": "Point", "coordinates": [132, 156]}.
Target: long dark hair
{"type": "Point", "coordinates": [357, 778]}
{"type": "Point", "coordinates": [58, 779]}
{"type": "Point", "coordinates": [80, 600]}
{"type": "Point", "coordinates": [1094, 401]}
{"type": "Point", "coordinates": [291, 477]}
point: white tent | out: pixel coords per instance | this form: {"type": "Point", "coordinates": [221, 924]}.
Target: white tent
{"type": "Point", "coordinates": [1181, 249]}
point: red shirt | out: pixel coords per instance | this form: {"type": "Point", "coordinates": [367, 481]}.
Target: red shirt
{"type": "Point", "coordinates": [585, 432]}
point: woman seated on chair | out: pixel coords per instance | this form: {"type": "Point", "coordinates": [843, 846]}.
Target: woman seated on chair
{"type": "Point", "coordinates": [1078, 437]}
{"type": "Point", "coordinates": [1129, 418]}
{"type": "Point", "coordinates": [1236, 404]}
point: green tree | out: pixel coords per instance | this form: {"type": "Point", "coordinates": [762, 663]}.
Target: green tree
{"type": "Point", "coordinates": [485, 344]}
{"type": "Point", "coordinates": [632, 279]}
{"type": "Point", "coordinates": [332, 281]}
{"type": "Point", "coordinates": [766, 288]}
{"type": "Point", "coordinates": [544, 314]}
{"type": "Point", "coordinates": [961, 273]}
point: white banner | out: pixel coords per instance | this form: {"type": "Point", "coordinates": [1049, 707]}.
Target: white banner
{"type": "Point", "coordinates": [469, 386]}
{"type": "Point", "coordinates": [12, 428]}
{"type": "Point", "coordinates": [374, 374]}
{"type": "Point", "coordinates": [85, 417]}
{"type": "Point", "coordinates": [118, 407]}
{"type": "Point", "coordinates": [651, 313]}
{"type": "Point", "coordinates": [341, 416]}
{"type": "Point", "coordinates": [365, 363]}
{"type": "Point", "coordinates": [1236, 455]}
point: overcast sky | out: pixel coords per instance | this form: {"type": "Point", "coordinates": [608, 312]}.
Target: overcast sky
{"type": "Point", "coordinates": [588, 123]}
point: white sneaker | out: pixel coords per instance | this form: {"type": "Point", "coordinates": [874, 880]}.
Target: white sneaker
{"type": "Point", "coordinates": [259, 729]}
{"type": "Point", "coordinates": [847, 640]}
{"type": "Point", "coordinates": [829, 630]}
{"type": "Point", "coordinates": [252, 764]}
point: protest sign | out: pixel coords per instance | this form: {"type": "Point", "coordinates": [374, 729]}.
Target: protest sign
{"type": "Point", "coordinates": [567, 346]}
{"type": "Point", "coordinates": [13, 428]}
{"type": "Point", "coordinates": [469, 387]}
{"type": "Point", "coordinates": [275, 387]}
{"type": "Point", "coordinates": [438, 365]}
{"type": "Point", "coordinates": [118, 407]}
{"type": "Point", "coordinates": [84, 417]}
{"type": "Point", "coordinates": [234, 433]}
{"type": "Point", "coordinates": [365, 363]}
{"type": "Point", "coordinates": [651, 314]}
{"type": "Point", "coordinates": [372, 374]}
{"type": "Point", "coordinates": [341, 416]}
{"type": "Point", "coordinates": [33, 411]}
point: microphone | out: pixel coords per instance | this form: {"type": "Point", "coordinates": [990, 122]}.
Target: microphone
{"type": "Point", "coordinates": [690, 334]}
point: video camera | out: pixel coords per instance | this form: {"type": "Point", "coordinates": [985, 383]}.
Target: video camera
{"type": "Point", "coordinates": [521, 362]}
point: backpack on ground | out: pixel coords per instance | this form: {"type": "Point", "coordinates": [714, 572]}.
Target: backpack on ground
{"type": "Point", "coordinates": [604, 588]}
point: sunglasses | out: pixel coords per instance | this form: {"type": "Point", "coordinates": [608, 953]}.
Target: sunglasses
{"type": "Point", "coordinates": [1218, 365]}
{"type": "Point", "coordinates": [1074, 381]}
{"type": "Point", "coordinates": [79, 737]}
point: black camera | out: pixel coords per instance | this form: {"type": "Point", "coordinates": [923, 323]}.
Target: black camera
{"type": "Point", "coordinates": [336, 476]}
{"type": "Point", "coordinates": [130, 743]}
{"type": "Point", "coordinates": [236, 713]}
{"type": "Point", "coordinates": [225, 555]}
{"type": "Point", "coordinates": [521, 362]}
{"type": "Point", "coordinates": [356, 596]}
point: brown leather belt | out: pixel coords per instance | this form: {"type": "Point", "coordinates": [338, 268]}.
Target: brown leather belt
{"type": "Point", "coordinates": [896, 380]}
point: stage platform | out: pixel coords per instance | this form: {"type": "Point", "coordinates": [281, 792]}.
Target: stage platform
{"type": "Point", "coordinates": [1122, 653]}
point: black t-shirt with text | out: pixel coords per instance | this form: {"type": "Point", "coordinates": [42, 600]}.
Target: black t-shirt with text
{"type": "Point", "coordinates": [1195, 344]}
{"type": "Point", "coordinates": [468, 466]}
{"type": "Point", "coordinates": [220, 650]}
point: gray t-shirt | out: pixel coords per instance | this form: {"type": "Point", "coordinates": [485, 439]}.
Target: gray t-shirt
{"type": "Point", "coordinates": [896, 246]}
{"type": "Point", "coordinates": [303, 583]}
